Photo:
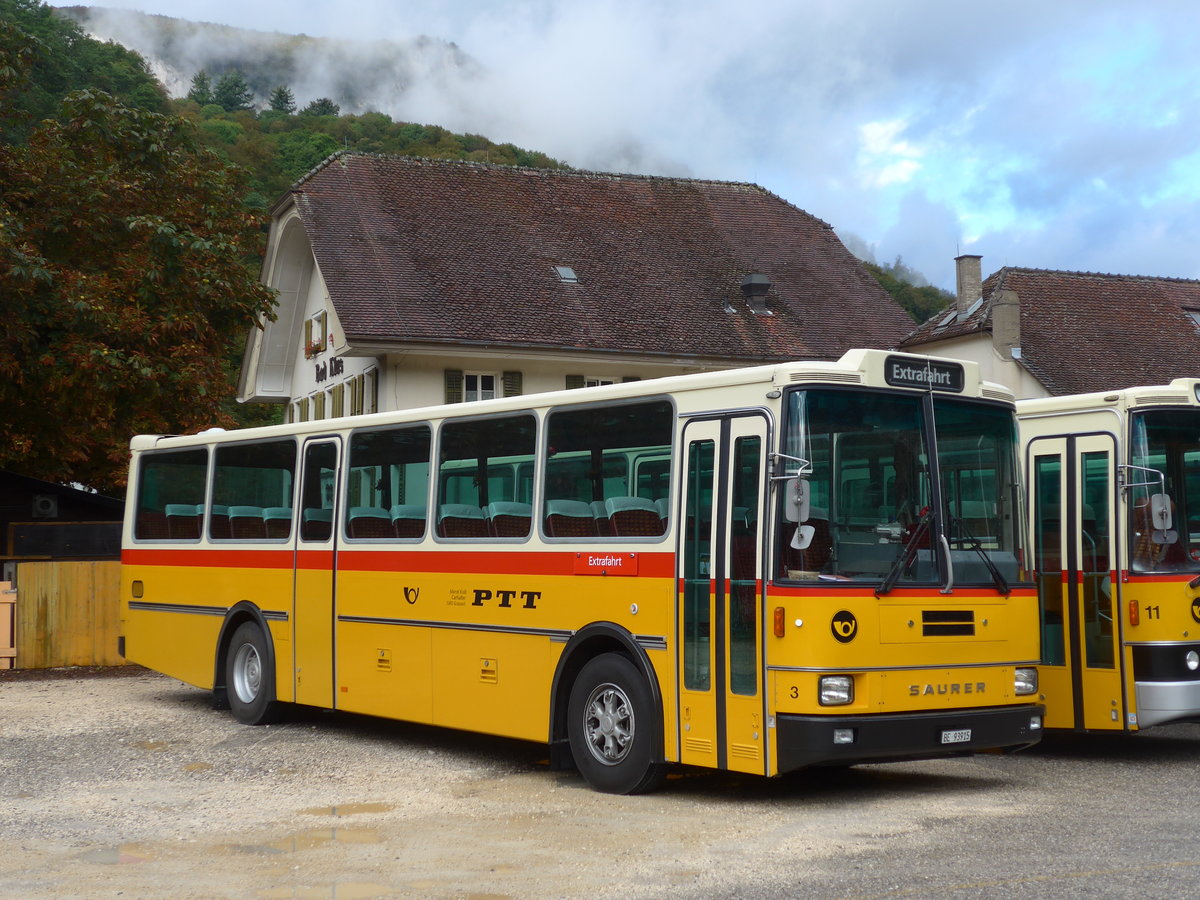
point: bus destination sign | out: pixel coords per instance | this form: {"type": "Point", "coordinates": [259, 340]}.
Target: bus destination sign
{"type": "Point", "coordinates": [928, 374]}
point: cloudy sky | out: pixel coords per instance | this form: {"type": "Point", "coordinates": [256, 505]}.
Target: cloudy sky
{"type": "Point", "coordinates": [1054, 134]}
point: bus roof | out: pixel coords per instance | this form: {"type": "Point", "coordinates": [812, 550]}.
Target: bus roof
{"type": "Point", "coordinates": [880, 368]}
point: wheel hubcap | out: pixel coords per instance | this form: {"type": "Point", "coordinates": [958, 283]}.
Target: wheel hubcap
{"type": "Point", "coordinates": [247, 673]}
{"type": "Point", "coordinates": [608, 724]}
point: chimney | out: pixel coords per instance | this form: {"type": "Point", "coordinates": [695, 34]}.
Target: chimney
{"type": "Point", "coordinates": [970, 281]}
{"type": "Point", "coordinates": [1006, 324]}
{"type": "Point", "coordinates": [755, 287]}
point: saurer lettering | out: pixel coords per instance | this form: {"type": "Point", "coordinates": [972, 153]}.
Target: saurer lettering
{"type": "Point", "coordinates": [968, 687]}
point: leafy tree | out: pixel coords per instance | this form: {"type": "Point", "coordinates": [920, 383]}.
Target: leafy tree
{"type": "Point", "coordinates": [232, 93]}
{"type": "Point", "coordinates": [123, 251]}
{"type": "Point", "coordinates": [322, 106]}
{"type": "Point", "coordinates": [201, 92]}
{"type": "Point", "coordinates": [301, 150]}
{"type": "Point", "coordinates": [59, 58]}
{"type": "Point", "coordinates": [920, 300]}
{"type": "Point", "coordinates": [282, 100]}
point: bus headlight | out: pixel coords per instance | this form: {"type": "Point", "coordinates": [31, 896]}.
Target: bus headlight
{"type": "Point", "coordinates": [1193, 660]}
{"type": "Point", "coordinates": [836, 690]}
{"type": "Point", "coordinates": [1025, 681]}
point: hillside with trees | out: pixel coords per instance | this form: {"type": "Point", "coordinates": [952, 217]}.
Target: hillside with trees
{"type": "Point", "coordinates": [131, 235]}
{"type": "Point", "coordinates": [910, 289]}
{"type": "Point", "coordinates": [132, 227]}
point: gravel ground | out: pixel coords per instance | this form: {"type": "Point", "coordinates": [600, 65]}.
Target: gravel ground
{"type": "Point", "coordinates": [126, 783]}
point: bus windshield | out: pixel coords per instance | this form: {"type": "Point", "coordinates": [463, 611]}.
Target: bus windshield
{"type": "Point", "coordinates": [1166, 443]}
{"type": "Point", "coordinates": [871, 495]}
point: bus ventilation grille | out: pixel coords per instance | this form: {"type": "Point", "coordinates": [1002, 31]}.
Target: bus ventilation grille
{"type": "Point", "coordinates": [947, 622]}
{"type": "Point", "coordinates": [838, 377]}
{"type": "Point", "coordinates": [1151, 399]}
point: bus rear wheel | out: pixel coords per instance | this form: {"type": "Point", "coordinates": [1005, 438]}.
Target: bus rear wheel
{"type": "Point", "coordinates": [610, 726]}
{"type": "Point", "coordinates": [250, 677]}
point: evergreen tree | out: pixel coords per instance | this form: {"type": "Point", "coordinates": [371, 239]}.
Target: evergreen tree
{"type": "Point", "coordinates": [282, 100]}
{"type": "Point", "coordinates": [322, 106]}
{"type": "Point", "coordinates": [201, 90]}
{"type": "Point", "coordinates": [233, 93]}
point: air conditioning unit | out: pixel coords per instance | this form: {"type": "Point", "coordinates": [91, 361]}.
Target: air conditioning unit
{"type": "Point", "coordinates": [45, 506]}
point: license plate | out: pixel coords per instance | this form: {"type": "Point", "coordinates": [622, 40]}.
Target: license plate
{"type": "Point", "coordinates": [956, 737]}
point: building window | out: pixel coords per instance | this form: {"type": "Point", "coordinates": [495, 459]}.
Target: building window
{"type": "Point", "coordinates": [314, 335]}
{"type": "Point", "coordinates": [478, 386]}
{"type": "Point", "coordinates": [370, 391]}
{"type": "Point", "coordinates": [595, 381]}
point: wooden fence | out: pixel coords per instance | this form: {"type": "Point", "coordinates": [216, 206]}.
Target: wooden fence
{"type": "Point", "coordinates": [67, 614]}
{"type": "Point", "coordinates": [8, 645]}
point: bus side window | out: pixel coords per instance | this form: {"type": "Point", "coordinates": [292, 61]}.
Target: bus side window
{"type": "Point", "coordinates": [170, 495]}
{"type": "Point", "coordinates": [247, 480]}
{"type": "Point", "coordinates": [388, 485]}
{"type": "Point", "coordinates": [479, 471]}
{"type": "Point", "coordinates": [613, 460]}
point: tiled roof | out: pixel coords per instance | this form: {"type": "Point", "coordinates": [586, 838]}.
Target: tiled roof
{"type": "Point", "coordinates": [1084, 331]}
{"type": "Point", "coordinates": [431, 251]}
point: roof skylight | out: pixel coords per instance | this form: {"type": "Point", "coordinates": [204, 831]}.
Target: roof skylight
{"type": "Point", "coordinates": [566, 275]}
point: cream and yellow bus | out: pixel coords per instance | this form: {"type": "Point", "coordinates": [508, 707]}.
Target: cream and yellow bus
{"type": "Point", "coordinates": [1114, 482]}
{"type": "Point", "coordinates": [755, 570]}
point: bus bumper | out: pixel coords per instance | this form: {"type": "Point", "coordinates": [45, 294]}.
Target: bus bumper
{"type": "Point", "coordinates": [1166, 701]}
{"type": "Point", "coordinates": [822, 740]}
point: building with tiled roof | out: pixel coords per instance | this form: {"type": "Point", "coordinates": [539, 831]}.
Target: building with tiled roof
{"type": "Point", "coordinates": [1046, 333]}
{"type": "Point", "coordinates": [404, 282]}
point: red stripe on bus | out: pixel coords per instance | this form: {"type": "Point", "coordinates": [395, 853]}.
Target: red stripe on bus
{"type": "Point", "coordinates": [650, 565]}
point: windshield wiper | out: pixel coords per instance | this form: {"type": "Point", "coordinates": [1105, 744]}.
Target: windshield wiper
{"type": "Point", "coordinates": [973, 544]}
{"type": "Point", "coordinates": [907, 554]}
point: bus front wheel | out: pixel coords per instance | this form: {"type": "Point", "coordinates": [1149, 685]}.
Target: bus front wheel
{"type": "Point", "coordinates": [250, 677]}
{"type": "Point", "coordinates": [610, 726]}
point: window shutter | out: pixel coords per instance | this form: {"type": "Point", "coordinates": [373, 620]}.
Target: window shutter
{"type": "Point", "coordinates": [625, 379]}
{"type": "Point", "coordinates": [512, 384]}
{"type": "Point", "coordinates": [338, 401]}
{"type": "Point", "coordinates": [454, 386]}
{"type": "Point", "coordinates": [307, 335]}
{"type": "Point", "coordinates": [575, 381]}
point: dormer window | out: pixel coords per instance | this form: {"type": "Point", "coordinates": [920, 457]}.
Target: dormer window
{"type": "Point", "coordinates": [566, 275]}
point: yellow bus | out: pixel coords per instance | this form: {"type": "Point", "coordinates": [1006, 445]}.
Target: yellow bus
{"type": "Point", "coordinates": [758, 570]}
{"type": "Point", "coordinates": [1114, 482]}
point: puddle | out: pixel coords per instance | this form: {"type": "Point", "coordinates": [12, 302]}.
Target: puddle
{"type": "Point", "coordinates": [340, 890]}
{"type": "Point", "coordinates": [310, 840]}
{"type": "Point", "coordinates": [347, 809]}
{"type": "Point", "coordinates": [123, 855]}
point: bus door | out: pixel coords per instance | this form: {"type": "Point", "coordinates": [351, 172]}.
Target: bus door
{"type": "Point", "coordinates": [1074, 506]}
{"type": "Point", "coordinates": [316, 557]}
{"type": "Point", "coordinates": [720, 612]}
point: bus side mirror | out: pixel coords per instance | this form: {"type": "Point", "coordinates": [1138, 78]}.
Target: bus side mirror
{"type": "Point", "coordinates": [1160, 512]}
{"type": "Point", "coordinates": [803, 537]}
{"type": "Point", "coordinates": [795, 499]}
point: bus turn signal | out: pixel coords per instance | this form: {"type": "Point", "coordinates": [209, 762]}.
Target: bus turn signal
{"type": "Point", "coordinates": [778, 621]}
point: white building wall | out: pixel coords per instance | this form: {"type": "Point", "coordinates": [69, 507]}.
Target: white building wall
{"type": "Point", "coordinates": [992, 366]}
